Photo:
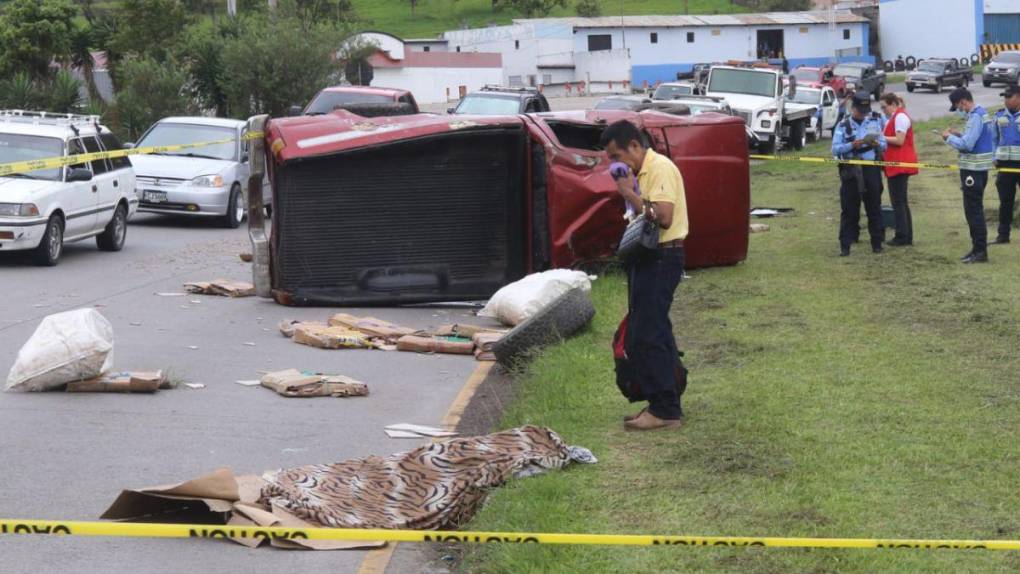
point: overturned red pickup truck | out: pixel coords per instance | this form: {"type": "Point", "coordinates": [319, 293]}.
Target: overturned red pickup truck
{"type": "Point", "coordinates": [428, 208]}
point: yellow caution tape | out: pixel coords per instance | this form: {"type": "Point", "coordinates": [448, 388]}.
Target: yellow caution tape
{"type": "Point", "coordinates": [55, 162]}
{"type": "Point", "coordinates": [142, 530]}
{"type": "Point", "coordinates": [809, 159]}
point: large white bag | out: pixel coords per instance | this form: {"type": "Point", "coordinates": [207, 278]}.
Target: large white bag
{"type": "Point", "coordinates": [520, 300]}
{"type": "Point", "coordinates": [66, 347]}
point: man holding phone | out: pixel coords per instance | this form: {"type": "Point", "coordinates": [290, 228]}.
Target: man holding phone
{"type": "Point", "coordinates": [976, 145]}
{"type": "Point", "coordinates": [859, 137]}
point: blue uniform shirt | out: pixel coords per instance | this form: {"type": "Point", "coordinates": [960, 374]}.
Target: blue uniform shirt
{"type": "Point", "coordinates": [977, 144]}
{"type": "Point", "coordinates": [842, 142]}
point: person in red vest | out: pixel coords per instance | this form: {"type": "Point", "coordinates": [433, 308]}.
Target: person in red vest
{"type": "Point", "coordinates": [899, 133]}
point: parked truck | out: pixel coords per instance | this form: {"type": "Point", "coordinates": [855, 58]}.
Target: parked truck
{"type": "Point", "coordinates": [934, 74]}
{"type": "Point", "coordinates": [758, 95]}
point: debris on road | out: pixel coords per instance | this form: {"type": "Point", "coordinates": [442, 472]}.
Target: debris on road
{"type": "Point", "coordinates": [295, 383]}
{"type": "Point", "coordinates": [568, 314]}
{"type": "Point", "coordinates": [408, 430]}
{"type": "Point", "coordinates": [484, 343]}
{"type": "Point", "coordinates": [771, 211]}
{"type": "Point", "coordinates": [325, 337]}
{"type": "Point", "coordinates": [246, 257]}
{"type": "Point", "coordinates": [171, 294]}
{"type": "Point", "coordinates": [122, 382]}
{"type": "Point", "coordinates": [193, 347]}
{"type": "Point", "coordinates": [65, 347]}
{"type": "Point", "coordinates": [462, 330]}
{"type": "Point", "coordinates": [194, 385]}
{"type": "Point", "coordinates": [375, 328]}
{"type": "Point", "coordinates": [249, 344]}
{"type": "Point", "coordinates": [523, 299]}
{"type": "Point", "coordinates": [288, 326]}
{"type": "Point", "coordinates": [448, 345]}
{"type": "Point", "coordinates": [223, 287]}
{"type": "Point", "coordinates": [251, 383]}
{"type": "Point", "coordinates": [759, 228]}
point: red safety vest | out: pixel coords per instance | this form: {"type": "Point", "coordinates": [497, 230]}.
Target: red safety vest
{"type": "Point", "coordinates": [905, 153]}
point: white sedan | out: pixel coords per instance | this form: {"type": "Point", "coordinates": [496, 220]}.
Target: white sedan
{"type": "Point", "coordinates": [207, 181]}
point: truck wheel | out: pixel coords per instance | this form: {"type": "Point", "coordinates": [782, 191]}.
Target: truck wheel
{"type": "Point", "coordinates": [52, 245]}
{"type": "Point", "coordinates": [235, 209]}
{"type": "Point", "coordinates": [986, 83]}
{"type": "Point", "coordinates": [938, 87]}
{"type": "Point", "coordinates": [112, 238]}
{"type": "Point", "coordinates": [767, 147]}
{"type": "Point", "coordinates": [879, 91]}
{"type": "Point", "coordinates": [910, 88]}
{"type": "Point", "coordinates": [562, 318]}
{"type": "Point", "coordinates": [798, 135]}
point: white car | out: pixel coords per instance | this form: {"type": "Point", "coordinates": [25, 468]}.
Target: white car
{"type": "Point", "coordinates": [673, 90]}
{"type": "Point", "coordinates": [42, 209]}
{"type": "Point", "coordinates": [824, 98]}
{"type": "Point", "coordinates": [207, 181]}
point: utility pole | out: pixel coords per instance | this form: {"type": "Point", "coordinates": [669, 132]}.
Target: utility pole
{"type": "Point", "coordinates": [623, 27]}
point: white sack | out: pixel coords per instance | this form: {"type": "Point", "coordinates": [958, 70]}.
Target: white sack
{"type": "Point", "coordinates": [522, 299]}
{"type": "Point", "coordinates": [66, 347]}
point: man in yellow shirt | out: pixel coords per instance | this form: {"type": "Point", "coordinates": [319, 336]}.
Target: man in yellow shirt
{"type": "Point", "coordinates": [653, 278]}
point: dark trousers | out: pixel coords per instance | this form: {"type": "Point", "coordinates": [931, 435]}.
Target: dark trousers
{"type": "Point", "coordinates": [1006, 183]}
{"type": "Point", "coordinates": [901, 208]}
{"type": "Point", "coordinates": [973, 184]}
{"type": "Point", "coordinates": [865, 187]}
{"type": "Point", "coordinates": [650, 345]}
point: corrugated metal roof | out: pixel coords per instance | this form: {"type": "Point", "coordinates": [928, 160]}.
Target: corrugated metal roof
{"type": "Point", "coordinates": [709, 20]}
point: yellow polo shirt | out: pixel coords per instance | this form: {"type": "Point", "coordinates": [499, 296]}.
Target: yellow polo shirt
{"type": "Point", "coordinates": [660, 180]}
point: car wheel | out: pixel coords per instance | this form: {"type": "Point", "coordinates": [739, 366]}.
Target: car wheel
{"type": "Point", "coordinates": [563, 317]}
{"type": "Point", "coordinates": [52, 245]}
{"type": "Point", "coordinates": [235, 208]}
{"type": "Point", "coordinates": [112, 238]}
{"type": "Point", "coordinates": [910, 88]}
{"type": "Point", "coordinates": [986, 83]}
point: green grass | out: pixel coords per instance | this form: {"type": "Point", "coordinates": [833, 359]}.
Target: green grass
{"type": "Point", "coordinates": [435, 16]}
{"type": "Point", "coordinates": [869, 396]}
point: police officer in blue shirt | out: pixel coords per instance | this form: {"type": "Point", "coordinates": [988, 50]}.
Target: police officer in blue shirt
{"type": "Point", "coordinates": [859, 136]}
{"type": "Point", "coordinates": [977, 157]}
{"type": "Point", "coordinates": [1007, 156]}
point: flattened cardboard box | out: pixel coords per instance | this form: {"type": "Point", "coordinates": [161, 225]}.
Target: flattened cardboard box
{"type": "Point", "coordinates": [122, 382]}
{"type": "Point", "coordinates": [371, 326]}
{"type": "Point", "coordinates": [218, 498]}
{"type": "Point", "coordinates": [294, 383]}
{"type": "Point", "coordinates": [452, 345]}
{"type": "Point", "coordinates": [223, 287]}
{"type": "Point", "coordinates": [330, 337]}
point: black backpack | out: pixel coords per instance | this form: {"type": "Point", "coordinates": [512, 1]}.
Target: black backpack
{"type": "Point", "coordinates": [626, 375]}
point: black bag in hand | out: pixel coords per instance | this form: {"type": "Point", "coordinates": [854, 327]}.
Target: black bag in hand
{"type": "Point", "coordinates": [641, 236]}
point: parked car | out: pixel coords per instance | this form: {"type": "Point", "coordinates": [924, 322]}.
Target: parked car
{"type": "Point", "coordinates": [641, 103]}
{"type": "Point", "coordinates": [1003, 69]}
{"type": "Point", "coordinates": [934, 74]}
{"type": "Point", "coordinates": [365, 101]}
{"type": "Point", "coordinates": [823, 75]}
{"type": "Point", "coordinates": [203, 181]}
{"type": "Point", "coordinates": [480, 203]}
{"type": "Point", "coordinates": [861, 76]}
{"type": "Point", "coordinates": [498, 100]}
{"type": "Point", "coordinates": [41, 209]}
{"type": "Point", "coordinates": [672, 90]}
{"type": "Point", "coordinates": [826, 101]}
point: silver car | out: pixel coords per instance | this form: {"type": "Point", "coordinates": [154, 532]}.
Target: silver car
{"type": "Point", "coordinates": [207, 181]}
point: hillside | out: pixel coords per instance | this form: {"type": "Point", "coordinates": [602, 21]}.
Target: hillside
{"type": "Point", "coordinates": [434, 16]}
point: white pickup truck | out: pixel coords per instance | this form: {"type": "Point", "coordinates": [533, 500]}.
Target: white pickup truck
{"type": "Point", "coordinates": [758, 95]}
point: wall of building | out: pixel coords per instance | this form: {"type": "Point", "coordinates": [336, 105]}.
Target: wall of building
{"type": "Point", "coordinates": [1002, 6]}
{"type": "Point", "coordinates": [436, 85]}
{"type": "Point", "coordinates": [660, 62]}
{"type": "Point", "coordinates": [523, 46]}
{"type": "Point", "coordinates": [931, 28]}
{"type": "Point", "coordinates": [425, 46]}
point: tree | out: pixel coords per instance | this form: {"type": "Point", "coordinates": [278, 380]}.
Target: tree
{"type": "Point", "coordinates": [588, 8]}
{"type": "Point", "coordinates": [149, 27]}
{"type": "Point", "coordinates": [533, 8]}
{"type": "Point", "coordinates": [151, 90]}
{"type": "Point", "coordinates": [34, 33]}
{"type": "Point", "coordinates": [61, 93]}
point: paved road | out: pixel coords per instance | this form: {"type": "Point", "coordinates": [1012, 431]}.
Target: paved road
{"type": "Point", "coordinates": [67, 456]}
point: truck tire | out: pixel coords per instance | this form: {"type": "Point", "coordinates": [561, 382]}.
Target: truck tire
{"type": "Point", "coordinates": [910, 88]}
{"type": "Point", "coordinates": [561, 319]}
{"type": "Point", "coordinates": [938, 87]}
{"type": "Point", "coordinates": [767, 147]}
{"type": "Point", "coordinates": [51, 247]}
{"type": "Point", "coordinates": [112, 238]}
{"type": "Point", "coordinates": [965, 83]}
{"type": "Point", "coordinates": [911, 62]}
{"type": "Point", "coordinates": [879, 91]}
{"type": "Point", "coordinates": [798, 135]}
{"type": "Point", "coordinates": [986, 83]}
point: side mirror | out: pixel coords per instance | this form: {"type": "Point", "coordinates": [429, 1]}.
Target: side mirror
{"type": "Point", "coordinates": [78, 174]}
{"type": "Point", "coordinates": [295, 111]}
{"type": "Point", "coordinates": [129, 145]}
{"type": "Point", "coordinates": [451, 110]}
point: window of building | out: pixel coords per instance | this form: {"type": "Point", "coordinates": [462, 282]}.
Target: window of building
{"type": "Point", "coordinates": [804, 29]}
{"type": "Point", "coordinates": [654, 37]}
{"type": "Point", "coordinates": [517, 44]}
{"type": "Point", "coordinates": [426, 49]}
{"type": "Point", "coordinates": [846, 33]}
{"type": "Point", "coordinates": [546, 79]}
{"type": "Point", "coordinates": [717, 32]}
{"type": "Point", "coordinates": [597, 42]}
{"type": "Point", "coordinates": [458, 48]}
{"type": "Point", "coordinates": [515, 82]}
{"type": "Point", "coordinates": [690, 37]}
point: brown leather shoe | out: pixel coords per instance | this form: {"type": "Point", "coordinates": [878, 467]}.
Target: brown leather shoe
{"type": "Point", "coordinates": [632, 417]}
{"type": "Point", "coordinates": [647, 421]}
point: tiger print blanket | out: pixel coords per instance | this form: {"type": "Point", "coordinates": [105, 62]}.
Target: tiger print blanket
{"type": "Point", "coordinates": [436, 486]}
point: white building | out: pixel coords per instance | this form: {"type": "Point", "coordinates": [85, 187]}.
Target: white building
{"type": "Point", "coordinates": [946, 28]}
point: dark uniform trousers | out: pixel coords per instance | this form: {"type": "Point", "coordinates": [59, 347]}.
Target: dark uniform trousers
{"type": "Point", "coordinates": [901, 208]}
{"type": "Point", "coordinates": [852, 192]}
{"type": "Point", "coordinates": [973, 184]}
{"type": "Point", "coordinates": [650, 344]}
{"type": "Point", "coordinates": [1006, 183]}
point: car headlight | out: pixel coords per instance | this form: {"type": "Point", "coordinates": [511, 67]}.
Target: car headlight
{"type": "Point", "coordinates": [19, 209]}
{"type": "Point", "coordinates": [208, 181]}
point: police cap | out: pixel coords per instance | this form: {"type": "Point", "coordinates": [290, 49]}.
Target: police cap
{"type": "Point", "coordinates": [861, 100]}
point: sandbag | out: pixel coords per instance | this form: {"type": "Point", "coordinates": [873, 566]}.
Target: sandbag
{"type": "Point", "coordinates": [66, 347]}
{"type": "Point", "coordinates": [521, 300]}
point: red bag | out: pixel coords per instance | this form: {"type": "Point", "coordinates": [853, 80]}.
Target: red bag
{"type": "Point", "coordinates": [626, 375]}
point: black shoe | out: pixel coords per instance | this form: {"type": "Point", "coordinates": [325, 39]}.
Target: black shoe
{"type": "Point", "coordinates": [844, 251]}
{"type": "Point", "coordinates": [876, 248]}
{"type": "Point", "coordinates": [977, 258]}
{"type": "Point", "coordinates": [1002, 239]}
{"type": "Point", "coordinates": [897, 243]}
{"type": "Point", "coordinates": [967, 256]}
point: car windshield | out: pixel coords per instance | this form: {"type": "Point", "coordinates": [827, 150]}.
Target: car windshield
{"type": "Point", "coordinates": [15, 147]}
{"type": "Point", "coordinates": [328, 101]}
{"type": "Point", "coordinates": [617, 104]}
{"type": "Point", "coordinates": [931, 67]}
{"type": "Point", "coordinates": [668, 92]}
{"type": "Point", "coordinates": [170, 133]}
{"type": "Point", "coordinates": [804, 96]}
{"type": "Point", "coordinates": [700, 108]}
{"type": "Point", "coordinates": [489, 105]}
{"type": "Point", "coordinates": [805, 73]}
{"type": "Point", "coordinates": [848, 71]}
{"type": "Point", "coordinates": [743, 82]}
{"type": "Point", "coordinates": [1008, 58]}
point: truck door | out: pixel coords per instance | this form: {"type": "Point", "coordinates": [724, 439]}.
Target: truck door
{"type": "Point", "coordinates": [830, 110]}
